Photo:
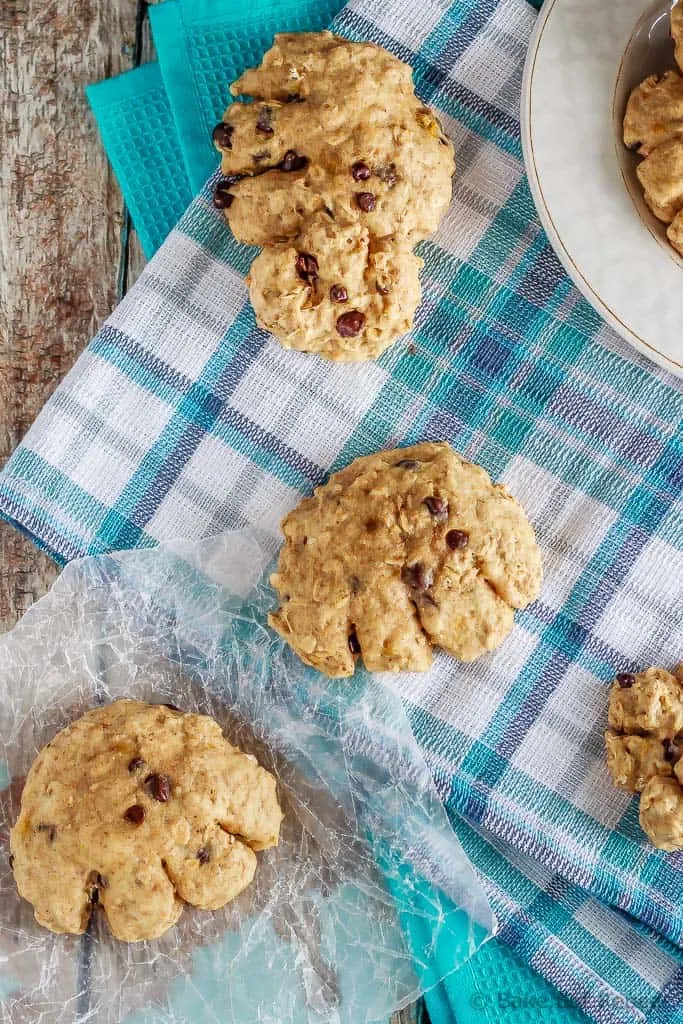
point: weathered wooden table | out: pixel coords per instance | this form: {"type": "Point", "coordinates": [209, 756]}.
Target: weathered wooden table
{"type": "Point", "coordinates": [67, 249]}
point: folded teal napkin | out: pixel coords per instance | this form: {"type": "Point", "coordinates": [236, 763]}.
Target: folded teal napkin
{"type": "Point", "coordinates": [156, 128]}
{"type": "Point", "coordinates": [156, 120]}
{"type": "Point", "coordinates": [139, 134]}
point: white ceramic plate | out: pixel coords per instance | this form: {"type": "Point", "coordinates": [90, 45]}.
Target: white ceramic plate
{"type": "Point", "coordinates": [584, 58]}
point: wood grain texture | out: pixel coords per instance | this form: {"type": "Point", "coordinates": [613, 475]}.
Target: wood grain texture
{"type": "Point", "coordinates": [60, 220]}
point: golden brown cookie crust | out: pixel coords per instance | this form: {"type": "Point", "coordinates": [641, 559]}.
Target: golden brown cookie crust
{"type": "Point", "coordinates": [353, 275]}
{"type": "Point", "coordinates": [400, 551]}
{"type": "Point", "coordinates": [661, 812]}
{"type": "Point", "coordinates": [644, 746]}
{"type": "Point", "coordinates": [654, 113]}
{"type": "Point", "coordinates": [140, 808]}
{"type": "Point", "coordinates": [661, 175]}
{"type": "Point", "coordinates": [335, 162]}
{"type": "Point", "coordinates": [677, 32]}
{"type": "Point", "coordinates": [674, 232]}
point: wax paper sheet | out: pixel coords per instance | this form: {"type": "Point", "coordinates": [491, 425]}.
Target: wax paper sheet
{"type": "Point", "coordinates": [367, 901]}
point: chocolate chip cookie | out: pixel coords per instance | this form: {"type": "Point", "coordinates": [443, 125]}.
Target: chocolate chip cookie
{"type": "Point", "coordinates": [398, 552]}
{"type": "Point", "coordinates": [139, 808]}
{"type": "Point", "coordinates": [341, 295]}
{"type": "Point", "coordinates": [337, 170]}
{"type": "Point", "coordinates": [645, 749]}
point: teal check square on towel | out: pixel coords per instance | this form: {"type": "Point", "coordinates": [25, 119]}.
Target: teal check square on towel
{"type": "Point", "coordinates": [184, 418]}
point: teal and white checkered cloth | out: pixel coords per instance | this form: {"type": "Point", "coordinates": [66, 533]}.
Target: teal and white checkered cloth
{"type": "Point", "coordinates": [182, 418]}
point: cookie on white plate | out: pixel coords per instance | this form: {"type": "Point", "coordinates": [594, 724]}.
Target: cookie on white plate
{"type": "Point", "coordinates": [654, 113]}
{"type": "Point", "coordinates": [674, 232]}
{"type": "Point", "coordinates": [661, 175]}
{"type": "Point", "coordinates": [677, 31]}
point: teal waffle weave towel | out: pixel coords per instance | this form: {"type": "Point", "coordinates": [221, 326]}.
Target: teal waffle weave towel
{"type": "Point", "coordinates": [567, 935]}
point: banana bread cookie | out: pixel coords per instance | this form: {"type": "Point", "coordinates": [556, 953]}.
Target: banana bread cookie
{"type": "Point", "coordinates": [398, 552]}
{"type": "Point", "coordinates": [139, 808]}
{"type": "Point", "coordinates": [645, 748]}
{"type": "Point", "coordinates": [337, 170]}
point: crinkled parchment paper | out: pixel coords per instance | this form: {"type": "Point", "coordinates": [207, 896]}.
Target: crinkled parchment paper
{"type": "Point", "coordinates": [344, 920]}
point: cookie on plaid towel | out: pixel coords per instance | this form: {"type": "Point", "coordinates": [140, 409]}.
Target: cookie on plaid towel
{"type": "Point", "coordinates": [338, 170]}
{"type": "Point", "coordinates": [139, 808]}
{"type": "Point", "coordinates": [645, 748]}
{"type": "Point", "coordinates": [398, 552]}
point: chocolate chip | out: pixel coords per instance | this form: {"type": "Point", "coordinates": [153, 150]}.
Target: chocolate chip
{"type": "Point", "coordinates": [408, 464]}
{"type": "Point", "coordinates": [382, 290]}
{"type": "Point", "coordinates": [50, 829]}
{"type": "Point", "coordinates": [136, 763]}
{"type": "Point", "coordinates": [159, 787]}
{"type": "Point", "coordinates": [672, 751]}
{"type": "Point", "coordinates": [437, 508]}
{"type": "Point", "coordinates": [387, 174]}
{"type": "Point", "coordinates": [625, 680]}
{"type": "Point", "coordinates": [222, 135]}
{"type": "Point", "coordinates": [292, 161]}
{"type": "Point", "coordinates": [307, 267]}
{"type": "Point", "coordinates": [366, 201]}
{"type": "Point", "coordinates": [294, 97]}
{"type": "Point", "coordinates": [203, 855]}
{"type": "Point", "coordinates": [371, 525]}
{"type": "Point", "coordinates": [360, 171]}
{"type": "Point", "coordinates": [94, 896]}
{"type": "Point", "coordinates": [222, 199]}
{"type": "Point", "coordinates": [417, 576]}
{"type": "Point", "coordinates": [135, 814]}
{"type": "Point", "coordinates": [263, 121]}
{"type": "Point", "coordinates": [354, 646]}
{"type": "Point", "coordinates": [338, 293]}
{"type": "Point", "coordinates": [350, 324]}
{"type": "Point", "coordinates": [457, 539]}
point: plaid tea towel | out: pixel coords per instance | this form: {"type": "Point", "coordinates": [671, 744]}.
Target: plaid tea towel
{"type": "Point", "coordinates": [183, 418]}
{"type": "Point", "coordinates": [155, 123]}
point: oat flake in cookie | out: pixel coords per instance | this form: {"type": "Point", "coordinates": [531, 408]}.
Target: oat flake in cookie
{"type": "Point", "coordinates": [139, 808]}
{"type": "Point", "coordinates": [337, 170]}
{"type": "Point", "coordinates": [399, 552]}
{"type": "Point", "coordinates": [645, 749]}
